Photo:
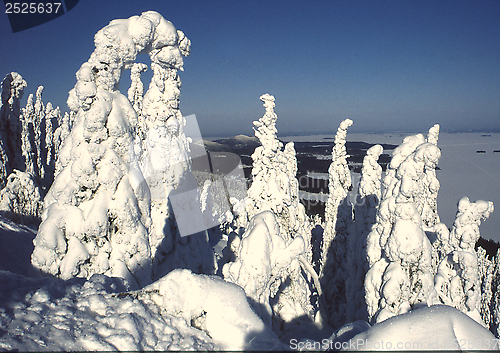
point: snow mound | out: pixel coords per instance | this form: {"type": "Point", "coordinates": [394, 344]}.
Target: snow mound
{"type": "Point", "coordinates": [218, 307]}
{"type": "Point", "coordinates": [437, 327]}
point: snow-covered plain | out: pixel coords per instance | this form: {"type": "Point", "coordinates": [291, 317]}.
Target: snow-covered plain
{"type": "Point", "coordinates": [462, 170]}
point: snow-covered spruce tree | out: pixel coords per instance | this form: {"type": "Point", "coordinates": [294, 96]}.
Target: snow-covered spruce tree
{"type": "Point", "coordinates": [39, 123]}
{"type": "Point", "coordinates": [275, 188]}
{"type": "Point", "coordinates": [495, 300]}
{"type": "Point", "coordinates": [399, 253]}
{"type": "Point", "coordinates": [365, 211]}
{"type": "Point", "coordinates": [430, 184]}
{"type": "Point", "coordinates": [20, 199]}
{"type": "Point", "coordinates": [28, 134]}
{"type": "Point", "coordinates": [413, 166]}
{"type": "Point", "coordinates": [369, 192]}
{"type": "Point", "coordinates": [136, 91]}
{"type": "Point", "coordinates": [60, 134]}
{"type": "Point", "coordinates": [458, 280]}
{"type": "Point", "coordinates": [338, 222]}
{"type": "Point", "coordinates": [165, 161]}
{"type": "Point", "coordinates": [10, 125]}
{"type": "Point", "coordinates": [486, 269]}
{"type": "Point", "coordinates": [96, 213]}
{"type": "Point", "coordinates": [263, 260]}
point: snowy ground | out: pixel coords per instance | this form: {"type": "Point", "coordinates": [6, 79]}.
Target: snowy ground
{"type": "Point", "coordinates": [40, 314]}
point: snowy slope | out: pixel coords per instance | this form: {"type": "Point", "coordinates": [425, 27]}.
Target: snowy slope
{"type": "Point", "coordinates": [38, 313]}
{"type": "Point", "coordinates": [182, 311]}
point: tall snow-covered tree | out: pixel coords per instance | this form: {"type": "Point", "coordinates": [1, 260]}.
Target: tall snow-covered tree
{"type": "Point", "coordinates": [338, 223]}
{"type": "Point", "coordinates": [275, 188]}
{"type": "Point", "coordinates": [398, 250]}
{"type": "Point", "coordinates": [365, 211]}
{"type": "Point", "coordinates": [39, 123]}
{"type": "Point", "coordinates": [97, 210]}
{"type": "Point", "coordinates": [28, 156]}
{"type": "Point", "coordinates": [13, 86]}
{"type": "Point", "coordinates": [166, 162]}
{"type": "Point", "coordinates": [460, 274]}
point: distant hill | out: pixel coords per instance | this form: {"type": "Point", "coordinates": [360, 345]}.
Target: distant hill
{"type": "Point", "coordinates": [240, 144]}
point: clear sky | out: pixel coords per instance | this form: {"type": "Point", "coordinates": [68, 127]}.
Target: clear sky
{"type": "Point", "coordinates": [388, 65]}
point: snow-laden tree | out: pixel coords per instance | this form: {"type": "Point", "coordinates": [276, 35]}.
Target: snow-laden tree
{"type": "Point", "coordinates": [60, 134]}
{"type": "Point", "coordinates": [166, 162]}
{"type": "Point", "coordinates": [263, 260]}
{"type": "Point", "coordinates": [458, 280]}
{"type": "Point", "coordinates": [274, 183]}
{"type": "Point", "coordinates": [29, 154]}
{"type": "Point", "coordinates": [398, 250]}
{"type": "Point", "coordinates": [430, 183]}
{"type": "Point", "coordinates": [486, 269]}
{"type": "Point", "coordinates": [13, 86]}
{"type": "Point", "coordinates": [275, 188]}
{"type": "Point", "coordinates": [495, 300]}
{"type": "Point", "coordinates": [39, 125]}
{"type": "Point", "coordinates": [365, 211]}
{"type": "Point", "coordinates": [20, 199]}
{"type": "Point", "coordinates": [339, 185]}
{"type": "Point", "coordinates": [96, 213]}
{"type": "Point", "coordinates": [338, 221]}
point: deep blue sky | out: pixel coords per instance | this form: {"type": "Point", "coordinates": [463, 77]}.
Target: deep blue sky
{"type": "Point", "coordinates": [388, 65]}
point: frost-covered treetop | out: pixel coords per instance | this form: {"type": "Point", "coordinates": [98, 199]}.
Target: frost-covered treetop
{"type": "Point", "coordinates": [433, 134]}
{"type": "Point", "coordinates": [12, 87]}
{"type": "Point", "coordinates": [266, 126]}
{"type": "Point", "coordinates": [339, 150]}
{"type": "Point", "coordinates": [371, 173]}
{"type": "Point", "coordinates": [116, 48]}
{"type": "Point", "coordinates": [465, 231]}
